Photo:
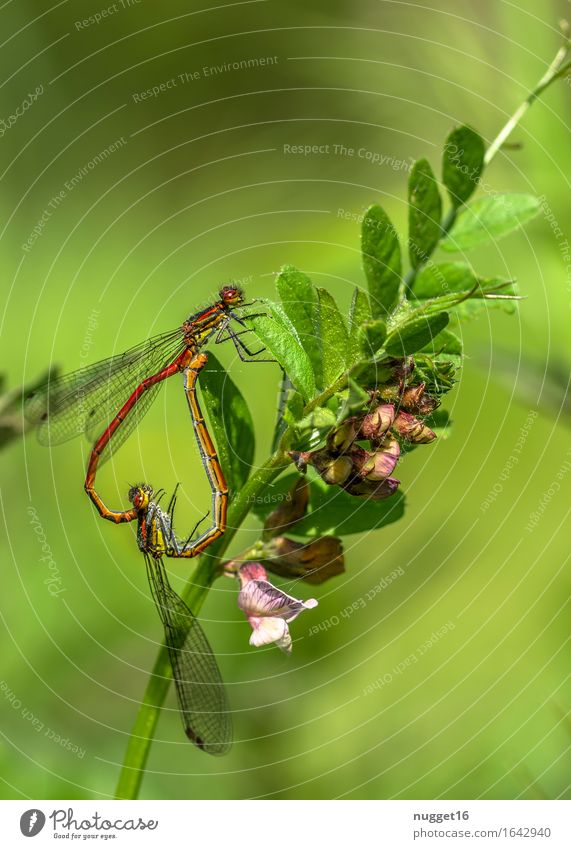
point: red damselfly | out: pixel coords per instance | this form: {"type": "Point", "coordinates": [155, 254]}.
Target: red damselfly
{"type": "Point", "coordinates": [81, 402]}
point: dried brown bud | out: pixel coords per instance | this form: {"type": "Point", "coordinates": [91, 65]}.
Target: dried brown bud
{"type": "Point", "coordinates": [301, 459]}
{"type": "Point", "coordinates": [372, 489]}
{"type": "Point", "coordinates": [333, 469]}
{"type": "Point", "coordinates": [341, 438]}
{"type": "Point", "coordinates": [415, 400]}
{"type": "Point", "coordinates": [314, 561]}
{"type": "Point", "coordinates": [413, 430]}
{"type": "Point", "coordinates": [402, 369]}
{"type": "Point", "coordinates": [291, 510]}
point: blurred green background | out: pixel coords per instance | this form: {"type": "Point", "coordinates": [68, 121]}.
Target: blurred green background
{"type": "Point", "coordinates": [201, 188]}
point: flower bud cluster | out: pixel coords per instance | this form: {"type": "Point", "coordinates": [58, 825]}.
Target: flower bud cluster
{"type": "Point", "coordinates": [368, 471]}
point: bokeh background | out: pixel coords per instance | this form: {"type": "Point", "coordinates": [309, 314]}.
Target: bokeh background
{"type": "Point", "coordinates": [181, 191]}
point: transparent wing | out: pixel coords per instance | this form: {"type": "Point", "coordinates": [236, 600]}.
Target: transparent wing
{"type": "Point", "coordinates": [85, 401]}
{"type": "Point", "coordinates": [200, 691]}
{"type": "Point", "coordinates": [128, 425]}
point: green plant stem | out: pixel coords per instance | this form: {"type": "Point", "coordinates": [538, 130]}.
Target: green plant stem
{"type": "Point", "coordinates": [558, 68]}
{"type": "Point", "coordinates": [194, 594]}
{"type": "Point", "coordinates": [555, 70]}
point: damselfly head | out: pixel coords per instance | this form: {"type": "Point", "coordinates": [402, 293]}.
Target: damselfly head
{"type": "Point", "coordinates": [140, 495]}
{"type": "Point", "coordinates": [231, 296]}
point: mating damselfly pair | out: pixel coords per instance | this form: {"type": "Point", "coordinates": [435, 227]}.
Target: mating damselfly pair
{"type": "Point", "coordinates": [106, 401]}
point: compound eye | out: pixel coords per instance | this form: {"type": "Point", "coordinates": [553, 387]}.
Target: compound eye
{"type": "Point", "coordinates": [230, 295]}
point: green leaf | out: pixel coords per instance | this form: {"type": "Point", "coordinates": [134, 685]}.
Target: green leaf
{"type": "Point", "coordinates": [445, 342]}
{"type": "Point", "coordinates": [354, 398]}
{"type": "Point", "coordinates": [424, 213]}
{"type": "Point", "coordinates": [462, 163]}
{"type": "Point", "coordinates": [372, 373]}
{"type": "Point", "coordinates": [381, 260]}
{"type": "Point", "coordinates": [442, 279]}
{"type": "Point", "coordinates": [284, 346]}
{"type": "Point", "coordinates": [373, 334]}
{"type": "Point", "coordinates": [321, 419]}
{"type": "Point", "coordinates": [230, 422]}
{"type": "Point", "coordinates": [359, 313]}
{"type": "Point", "coordinates": [489, 219]}
{"type": "Point", "coordinates": [415, 334]}
{"type": "Point", "coordinates": [293, 410]}
{"type": "Point", "coordinates": [334, 337]}
{"type": "Point", "coordinates": [299, 300]}
{"type": "Point", "coordinates": [333, 511]}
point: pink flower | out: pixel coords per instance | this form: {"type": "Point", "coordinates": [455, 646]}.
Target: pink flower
{"type": "Point", "coordinates": [268, 609]}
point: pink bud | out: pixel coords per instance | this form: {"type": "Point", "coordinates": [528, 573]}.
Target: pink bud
{"type": "Point", "coordinates": [376, 423]}
{"type": "Point", "coordinates": [379, 465]}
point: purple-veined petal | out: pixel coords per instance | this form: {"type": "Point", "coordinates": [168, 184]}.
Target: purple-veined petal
{"type": "Point", "coordinates": [260, 598]}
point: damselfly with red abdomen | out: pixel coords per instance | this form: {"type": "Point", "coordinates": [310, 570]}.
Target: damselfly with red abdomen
{"type": "Point", "coordinates": [81, 402]}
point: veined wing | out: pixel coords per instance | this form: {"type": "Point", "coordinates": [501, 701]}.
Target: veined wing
{"type": "Point", "coordinates": [129, 424]}
{"type": "Point", "coordinates": [81, 401]}
{"type": "Point", "coordinates": [200, 691]}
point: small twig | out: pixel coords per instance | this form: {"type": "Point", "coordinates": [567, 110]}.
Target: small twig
{"type": "Point", "coordinates": [558, 68]}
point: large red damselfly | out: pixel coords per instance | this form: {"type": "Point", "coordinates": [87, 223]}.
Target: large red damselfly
{"type": "Point", "coordinates": [81, 401]}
